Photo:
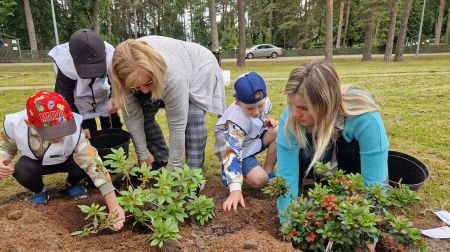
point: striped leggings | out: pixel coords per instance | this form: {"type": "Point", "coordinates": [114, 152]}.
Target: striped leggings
{"type": "Point", "coordinates": [195, 134]}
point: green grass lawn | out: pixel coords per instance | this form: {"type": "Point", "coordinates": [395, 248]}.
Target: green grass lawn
{"type": "Point", "coordinates": [28, 75]}
{"type": "Point", "coordinates": [415, 108]}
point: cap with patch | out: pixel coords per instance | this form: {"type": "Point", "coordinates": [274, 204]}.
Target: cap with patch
{"type": "Point", "coordinates": [88, 52]}
{"type": "Point", "coordinates": [51, 115]}
{"type": "Point", "coordinates": [247, 86]}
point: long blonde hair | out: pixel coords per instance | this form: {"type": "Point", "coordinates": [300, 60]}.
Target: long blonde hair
{"type": "Point", "coordinates": [130, 57]}
{"type": "Point", "coordinates": [318, 84]}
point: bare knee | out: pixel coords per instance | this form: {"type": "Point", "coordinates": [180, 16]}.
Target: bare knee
{"type": "Point", "coordinates": [257, 178]}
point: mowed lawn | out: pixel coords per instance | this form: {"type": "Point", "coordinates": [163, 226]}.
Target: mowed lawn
{"type": "Point", "coordinates": [414, 96]}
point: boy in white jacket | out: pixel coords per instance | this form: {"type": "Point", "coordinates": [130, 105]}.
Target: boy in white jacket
{"type": "Point", "coordinates": [49, 139]}
{"type": "Point", "coordinates": [243, 131]}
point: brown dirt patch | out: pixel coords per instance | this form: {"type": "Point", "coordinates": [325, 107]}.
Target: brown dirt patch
{"type": "Point", "coordinates": [24, 227]}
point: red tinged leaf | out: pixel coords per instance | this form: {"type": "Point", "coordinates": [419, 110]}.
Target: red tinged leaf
{"type": "Point", "coordinates": [292, 233]}
{"type": "Point", "coordinates": [312, 236]}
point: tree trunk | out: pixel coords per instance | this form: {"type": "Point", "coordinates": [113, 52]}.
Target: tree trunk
{"type": "Point", "coordinates": [377, 25]}
{"type": "Point", "coordinates": [145, 23]}
{"type": "Point", "coordinates": [341, 17]}
{"type": "Point", "coordinates": [447, 29]}
{"type": "Point", "coordinates": [367, 50]}
{"type": "Point", "coordinates": [135, 26]}
{"type": "Point", "coordinates": [155, 21]}
{"type": "Point", "coordinates": [402, 35]}
{"type": "Point", "coordinates": [438, 27]}
{"type": "Point", "coordinates": [224, 14]}
{"type": "Point", "coordinates": [213, 23]}
{"type": "Point", "coordinates": [191, 20]}
{"type": "Point", "coordinates": [95, 22]}
{"type": "Point", "coordinates": [347, 17]}
{"type": "Point", "coordinates": [108, 18]}
{"type": "Point", "coordinates": [126, 11]}
{"type": "Point", "coordinates": [271, 22]}
{"type": "Point", "coordinates": [241, 27]}
{"type": "Point", "coordinates": [329, 33]}
{"type": "Point", "coordinates": [30, 25]}
{"type": "Point", "coordinates": [391, 32]}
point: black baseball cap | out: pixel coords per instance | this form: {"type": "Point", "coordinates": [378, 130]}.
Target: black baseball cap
{"type": "Point", "coordinates": [88, 53]}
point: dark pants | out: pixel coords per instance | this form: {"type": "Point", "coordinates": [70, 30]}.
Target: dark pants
{"type": "Point", "coordinates": [28, 172]}
{"type": "Point", "coordinates": [347, 154]}
{"type": "Point", "coordinates": [106, 122]}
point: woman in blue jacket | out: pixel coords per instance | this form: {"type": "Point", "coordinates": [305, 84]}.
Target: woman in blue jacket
{"type": "Point", "coordinates": [329, 123]}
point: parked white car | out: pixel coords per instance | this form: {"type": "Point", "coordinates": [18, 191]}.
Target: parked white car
{"type": "Point", "coordinates": [263, 50]}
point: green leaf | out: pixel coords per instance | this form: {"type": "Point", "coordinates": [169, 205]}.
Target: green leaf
{"type": "Point", "coordinates": [77, 233]}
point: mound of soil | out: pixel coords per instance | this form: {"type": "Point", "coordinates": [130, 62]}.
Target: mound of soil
{"type": "Point", "coordinates": [24, 227]}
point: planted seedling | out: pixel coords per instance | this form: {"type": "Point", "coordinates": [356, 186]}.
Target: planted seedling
{"type": "Point", "coordinates": [344, 215]}
{"type": "Point", "coordinates": [162, 199]}
{"type": "Point", "coordinates": [276, 187]}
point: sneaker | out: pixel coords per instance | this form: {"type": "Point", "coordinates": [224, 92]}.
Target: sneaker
{"type": "Point", "coordinates": [40, 198]}
{"type": "Point", "coordinates": [271, 175]}
{"type": "Point", "coordinates": [76, 191]}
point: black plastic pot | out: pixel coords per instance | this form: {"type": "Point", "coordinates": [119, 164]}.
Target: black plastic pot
{"type": "Point", "coordinates": [107, 139]}
{"type": "Point", "coordinates": [407, 170]}
{"type": "Point", "coordinates": [104, 141]}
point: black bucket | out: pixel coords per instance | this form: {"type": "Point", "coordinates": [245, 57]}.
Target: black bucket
{"type": "Point", "coordinates": [107, 139]}
{"type": "Point", "coordinates": [406, 169]}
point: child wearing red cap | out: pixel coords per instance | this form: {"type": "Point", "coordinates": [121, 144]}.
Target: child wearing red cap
{"type": "Point", "coordinates": [49, 139]}
{"type": "Point", "coordinates": [243, 131]}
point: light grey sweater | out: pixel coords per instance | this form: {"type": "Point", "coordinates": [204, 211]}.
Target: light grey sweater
{"type": "Point", "coordinates": [193, 76]}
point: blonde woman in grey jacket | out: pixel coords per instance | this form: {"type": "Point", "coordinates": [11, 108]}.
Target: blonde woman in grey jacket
{"type": "Point", "coordinates": [156, 72]}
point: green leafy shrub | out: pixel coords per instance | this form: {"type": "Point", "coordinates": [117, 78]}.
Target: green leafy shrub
{"type": "Point", "coordinates": [341, 214]}
{"type": "Point", "coordinates": [162, 199]}
{"type": "Point", "coordinates": [276, 187]}
{"type": "Point", "coordinates": [201, 209]}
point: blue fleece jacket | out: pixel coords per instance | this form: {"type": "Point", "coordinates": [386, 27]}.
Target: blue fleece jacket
{"type": "Point", "coordinates": [367, 129]}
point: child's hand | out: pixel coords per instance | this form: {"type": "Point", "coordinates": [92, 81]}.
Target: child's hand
{"type": "Point", "coordinates": [87, 133]}
{"type": "Point", "coordinates": [233, 201]}
{"type": "Point", "coordinates": [117, 214]}
{"type": "Point", "coordinates": [270, 122]}
{"type": "Point", "coordinates": [5, 170]}
{"type": "Point", "coordinates": [112, 106]}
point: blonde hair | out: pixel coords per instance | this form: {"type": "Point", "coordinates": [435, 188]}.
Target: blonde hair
{"type": "Point", "coordinates": [130, 57]}
{"type": "Point", "coordinates": [318, 84]}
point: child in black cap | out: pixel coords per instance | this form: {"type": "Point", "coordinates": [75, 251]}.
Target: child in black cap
{"type": "Point", "coordinates": [83, 70]}
{"type": "Point", "coordinates": [242, 132]}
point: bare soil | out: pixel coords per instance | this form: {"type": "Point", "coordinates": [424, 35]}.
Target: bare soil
{"type": "Point", "coordinates": [24, 227]}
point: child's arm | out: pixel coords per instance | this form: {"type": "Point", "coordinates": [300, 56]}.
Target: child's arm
{"type": "Point", "coordinates": [231, 166]}
{"type": "Point", "coordinates": [8, 150]}
{"type": "Point", "coordinates": [86, 156]}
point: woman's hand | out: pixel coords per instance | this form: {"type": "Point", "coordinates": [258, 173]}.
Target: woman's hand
{"type": "Point", "coordinates": [148, 161]}
{"type": "Point", "coordinates": [233, 201]}
{"type": "Point", "coordinates": [5, 170]}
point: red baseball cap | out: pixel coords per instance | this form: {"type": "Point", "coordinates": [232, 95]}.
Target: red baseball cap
{"type": "Point", "coordinates": [51, 115]}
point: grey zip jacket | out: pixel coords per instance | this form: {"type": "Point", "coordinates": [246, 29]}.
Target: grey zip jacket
{"type": "Point", "coordinates": [193, 76]}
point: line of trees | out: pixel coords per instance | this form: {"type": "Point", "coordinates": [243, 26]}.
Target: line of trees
{"type": "Point", "coordinates": [235, 24]}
